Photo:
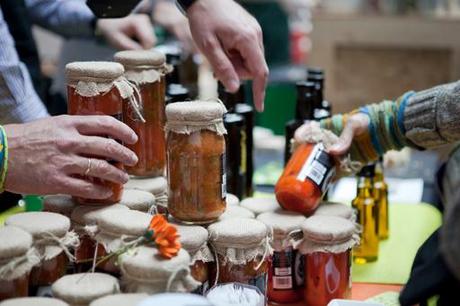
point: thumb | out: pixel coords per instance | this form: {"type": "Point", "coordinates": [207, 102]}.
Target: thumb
{"type": "Point", "coordinates": [344, 143]}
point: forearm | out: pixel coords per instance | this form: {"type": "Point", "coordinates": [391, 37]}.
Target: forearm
{"type": "Point", "coordinates": [69, 18]}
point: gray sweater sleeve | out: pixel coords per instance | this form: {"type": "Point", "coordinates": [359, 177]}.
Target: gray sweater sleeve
{"type": "Point", "coordinates": [432, 117]}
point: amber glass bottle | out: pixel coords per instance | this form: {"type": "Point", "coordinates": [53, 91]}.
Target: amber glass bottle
{"type": "Point", "coordinates": [367, 216]}
{"type": "Point", "coordinates": [381, 198]}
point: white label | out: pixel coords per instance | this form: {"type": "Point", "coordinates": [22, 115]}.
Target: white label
{"type": "Point", "coordinates": [282, 282]}
{"type": "Point", "coordinates": [283, 271]}
{"type": "Point", "coordinates": [319, 168]}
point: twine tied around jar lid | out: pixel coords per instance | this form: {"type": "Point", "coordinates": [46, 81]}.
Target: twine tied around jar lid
{"type": "Point", "coordinates": [17, 255]}
{"type": "Point", "coordinates": [325, 234]}
{"type": "Point", "coordinates": [313, 133]}
{"type": "Point", "coordinates": [90, 79]}
{"type": "Point", "coordinates": [194, 116]}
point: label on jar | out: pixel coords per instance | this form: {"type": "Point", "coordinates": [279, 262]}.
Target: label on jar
{"type": "Point", "coordinates": [283, 269]}
{"type": "Point", "coordinates": [319, 168]}
{"type": "Point", "coordinates": [223, 183]}
{"type": "Point", "coordinates": [260, 282]}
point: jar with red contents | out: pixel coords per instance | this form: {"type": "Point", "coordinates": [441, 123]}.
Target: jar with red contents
{"type": "Point", "coordinates": [285, 275]}
{"type": "Point", "coordinates": [327, 243]}
{"type": "Point", "coordinates": [151, 148]}
{"type": "Point", "coordinates": [305, 179]}
{"type": "Point", "coordinates": [52, 239]}
{"type": "Point", "coordinates": [99, 88]}
{"type": "Point", "coordinates": [17, 257]}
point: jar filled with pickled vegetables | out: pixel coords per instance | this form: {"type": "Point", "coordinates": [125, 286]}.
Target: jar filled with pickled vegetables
{"type": "Point", "coordinates": [196, 161]}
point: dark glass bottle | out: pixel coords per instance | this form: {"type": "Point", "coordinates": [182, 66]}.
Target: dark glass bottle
{"type": "Point", "coordinates": [236, 151]}
{"type": "Point", "coordinates": [322, 108]}
{"type": "Point", "coordinates": [236, 103]}
{"type": "Point", "coordinates": [173, 58]}
{"type": "Point", "coordinates": [303, 112]}
{"type": "Point", "coordinates": [177, 93]}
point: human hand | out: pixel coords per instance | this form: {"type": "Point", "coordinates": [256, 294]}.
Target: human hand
{"type": "Point", "coordinates": [167, 15]}
{"type": "Point", "coordinates": [232, 41]}
{"type": "Point", "coordinates": [133, 32]}
{"type": "Point", "coordinates": [357, 124]}
{"type": "Point", "coordinates": [48, 156]}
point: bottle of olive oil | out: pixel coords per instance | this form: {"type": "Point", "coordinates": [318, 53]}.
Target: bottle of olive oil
{"type": "Point", "coordinates": [381, 198]}
{"type": "Point", "coordinates": [366, 211]}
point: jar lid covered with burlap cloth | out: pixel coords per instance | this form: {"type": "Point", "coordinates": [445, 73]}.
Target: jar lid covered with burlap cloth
{"type": "Point", "coordinates": [137, 200]}
{"type": "Point", "coordinates": [158, 186]}
{"type": "Point", "coordinates": [194, 239]}
{"type": "Point", "coordinates": [145, 270]}
{"type": "Point", "coordinates": [232, 200]}
{"type": "Point", "coordinates": [33, 301]}
{"type": "Point", "coordinates": [281, 223]}
{"type": "Point", "coordinates": [232, 212]}
{"type": "Point", "coordinates": [50, 232]}
{"type": "Point", "coordinates": [82, 288]}
{"type": "Point", "coordinates": [120, 299]}
{"type": "Point", "coordinates": [327, 234]}
{"type": "Point", "coordinates": [59, 203]}
{"type": "Point", "coordinates": [17, 256]}
{"type": "Point", "coordinates": [260, 205]}
{"type": "Point", "coordinates": [116, 227]}
{"type": "Point", "coordinates": [239, 241]}
{"type": "Point", "coordinates": [84, 215]}
{"type": "Point", "coordinates": [336, 210]}
{"type": "Point", "coordinates": [141, 66]}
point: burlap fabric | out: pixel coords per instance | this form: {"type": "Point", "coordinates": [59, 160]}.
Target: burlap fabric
{"type": "Point", "coordinates": [194, 240]}
{"type": "Point", "coordinates": [232, 212]}
{"type": "Point", "coordinates": [60, 203]}
{"type": "Point", "coordinates": [137, 199]}
{"type": "Point", "coordinates": [158, 186]}
{"type": "Point", "coordinates": [335, 210]}
{"type": "Point", "coordinates": [33, 301]}
{"type": "Point", "coordinates": [140, 65]}
{"type": "Point", "coordinates": [85, 215]}
{"type": "Point", "coordinates": [121, 299]}
{"type": "Point", "coordinates": [260, 205]}
{"type": "Point", "coordinates": [232, 200]}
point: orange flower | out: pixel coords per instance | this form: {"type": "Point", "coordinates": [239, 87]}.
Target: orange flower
{"type": "Point", "coordinates": [165, 236]}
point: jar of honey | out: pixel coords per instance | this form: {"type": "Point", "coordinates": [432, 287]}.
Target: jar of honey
{"type": "Point", "coordinates": [327, 243]}
{"type": "Point", "coordinates": [151, 147]}
{"type": "Point", "coordinates": [99, 88]}
{"type": "Point", "coordinates": [147, 271]}
{"type": "Point", "coordinates": [285, 278]}
{"type": "Point", "coordinates": [242, 247]}
{"type": "Point", "coordinates": [196, 161]}
{"type": "Point", "coordinates": [158, 186]}
{"type": "Point", "coordinates": [194, 239]}
{"type": "Point", "coordinates": [52, 239]}
{"type": "Point", "coordinates": [137, 200]}
{"type": "Point", "coordinates": [60, 203]}
{"type": "Point", "coordinates": [115, 227]}
{"type": "Point", "coordinates": [83, 288]}
{"type": "Point", "coordinates": [17, 257]}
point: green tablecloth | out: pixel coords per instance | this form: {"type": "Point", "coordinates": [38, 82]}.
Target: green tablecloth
{"type": "Point", "coordinates": [410, 226]}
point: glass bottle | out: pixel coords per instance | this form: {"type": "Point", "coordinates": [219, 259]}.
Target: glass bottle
{"type": "Point", "coordinates": [367, 216]}
{"type": "Point", "coordinates": [381, 198]}
{"type": "Point", "coordinates": [177, 93]}
{"type": "Point", "coordinates": [236, 154]}
{"type": "Point", "coordinates": [322, 108]}
{"type": "Point", "coordinates": [303, 112]}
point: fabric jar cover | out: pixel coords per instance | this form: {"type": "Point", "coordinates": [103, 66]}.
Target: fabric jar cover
{"type": "Point", "coordinates": [158, 186]}
{"type": "Point", "coordinates": [232, 212]}
{"type": "Point", "coordinates": [232, 200]}
{"type": "Point", "coordinates": [82, 288]}
{"type": "Point", "coordinates": [116, 227]}
{"type": "Point", "coordinates": [327, 234]}
{"type": "Point", "coordinates": [85, 215]}
{"type": "Point", "coordinates": [239, 241]}
{"type": "Point", "coordinates": [121, 299]}
{"type": "Point", "coordinates": [140, 65]}
{"type": "Point", "coordinates": [50, 232]}
{"type": "Point", "coordinates": [176, 299]}
{"type": "Point", "coordinates": [17, 256]}
{"type": "Point", "coordinates": [336, 210]}
{"type": "Point", "coordinates": [260, 205]}
{"type": "Point", "coordinates": [60, 203]}
{"type": "Point", "coordinates": [137, 200]}
{"type": "Point", "coordinates": [33, 301]}
{"type": "Point", "coordinates": [194, 239]}
{"type": "Point", "coordinates": [282, 223]}
{"type": "Point", "coordinates": [145, 270]}
{"type": "Point", "coordinates": [194, 116]}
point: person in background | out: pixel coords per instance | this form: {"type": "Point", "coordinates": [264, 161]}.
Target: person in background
{"type": "Point", "coordinates": [43, 156]}
{"type": "Point", "coordinates": [421, 120]}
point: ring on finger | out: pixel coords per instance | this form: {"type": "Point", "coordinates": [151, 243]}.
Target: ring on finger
{"type": "Point", "coordinates": [88, 167]}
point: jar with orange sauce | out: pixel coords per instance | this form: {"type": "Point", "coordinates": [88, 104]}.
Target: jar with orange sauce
{"type": "Point", "coordinates": [196, 161]}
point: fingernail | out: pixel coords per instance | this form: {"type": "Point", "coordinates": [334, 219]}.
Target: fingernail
{"type": "Point", "coordinates": [234, 85]}
{"type": "Point", "coordinates": [134, 158]}
{"type": "Point", "coordinates": [125, 178]}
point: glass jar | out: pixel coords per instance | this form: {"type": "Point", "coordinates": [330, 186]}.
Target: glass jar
{"type": "Point", "coordinates": [327, 243]}
{"type": "Point", "coordinates": [249, 239]}
{"type": "Point", "coordinates": [305, 179]}
{"type": "Point", "coordinates": [137, 200]}
{"type": "Point", "coordinates": [196, 161]}
{"type": "Point", "coordinates": [285, 279]}
{"type": "Point", "coordinates": [17, 257]}
{"type": "Point", "coordinates": [158, 186]}
{"type": "Point", "coordinates": [151, 147]}
{"type": "Point", "coordinates": [52, 237]}
{"type": "Point", "coordinates": [93, 89]}
{"type": "Point", "coordinates": [261, 205]}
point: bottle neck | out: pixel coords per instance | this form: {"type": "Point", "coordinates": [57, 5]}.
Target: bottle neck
{"type": "Point", "coordinates": [364, 186]}
{"type": "Point", "coordinates": [379, 177]}
{"type": "Point", "coordinates": [318, 99]}
{"type": "Point", "coordinates": [304, 107]}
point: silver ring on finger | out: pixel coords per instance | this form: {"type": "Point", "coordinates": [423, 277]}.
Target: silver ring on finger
{"type": "Point", "coordinates": [88, 167]}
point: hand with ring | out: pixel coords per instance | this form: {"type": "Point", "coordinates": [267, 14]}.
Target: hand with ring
{"type": "Point", "coordinates": [50, 156]}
